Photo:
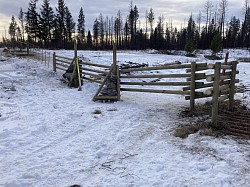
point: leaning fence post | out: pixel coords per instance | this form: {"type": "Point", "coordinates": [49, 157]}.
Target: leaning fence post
{"type": "Point", "coordinates": [54, 62]}
{"type": "Point", "coordinates": [216, 94]}
{"type": "Point", "coordinates": [192, 86]}
{"type": "Point", "coordinates": [232, 86]}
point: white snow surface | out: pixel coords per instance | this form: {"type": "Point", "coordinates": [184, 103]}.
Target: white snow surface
{"type": "Point", "coordinates": [50, 136]}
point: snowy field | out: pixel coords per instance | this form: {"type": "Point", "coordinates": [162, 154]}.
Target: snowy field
{"type": "Point", "coordinates": [50, 136]}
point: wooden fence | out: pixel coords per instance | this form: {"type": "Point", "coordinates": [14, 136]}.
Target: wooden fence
{"type": "Point", "coordinates": [26, 49]}
{"type": "Point", "coordinates": [199, 80]}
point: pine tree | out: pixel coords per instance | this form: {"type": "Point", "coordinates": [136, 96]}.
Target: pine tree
{"type": "Point", "coordinates": [59, 24]}
{"type": "Point", "coordinates": [216, 44]}
{"type": "Point", "coordinates": [81, 25]}
{"type": "Point", "coordinates": [101, 30]}
{"type": "Point", "coordinates": [32, 28]}
{"type": "Point", "coordinates": [89, 40]}
{"type": "Point", "coordinates": [191, 29]}
{"type": "Point", "coordinates": [96, 33]}
{"type": "Point", "coordinates": [151, 19]}
{"type": "Point", "coordinates": [118, 28]}
{"type": "Point", "coordinates": [232, 33]}
{"type": "Point", "coordinates": [21, 19]}
{"type": "Point", "coordinates": [46, 20]}
{"type": "Point", "coordinates": [13, 29]}
{"type": "Point", "coordinates": [69, 26]}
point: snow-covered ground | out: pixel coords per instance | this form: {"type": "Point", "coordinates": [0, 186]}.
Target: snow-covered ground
{"type": "Point", "coordinates": [50, 136]}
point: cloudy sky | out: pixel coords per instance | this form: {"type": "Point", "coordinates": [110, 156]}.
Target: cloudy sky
{"type": "Point", "coordinates": [177, 10]}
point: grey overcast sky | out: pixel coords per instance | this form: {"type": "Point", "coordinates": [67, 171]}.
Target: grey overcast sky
{"type": "Point", "coordinates": [177, 10]}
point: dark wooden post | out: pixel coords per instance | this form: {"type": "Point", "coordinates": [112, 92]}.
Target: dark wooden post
{"type": "Point", "coordinates": [232, 86]}
{"type": "Point", "coordinates": [54, 62]}
{"type": "Point", "coordinates": [114, 57]}
{"type": "Point", "coordinates": [192, 86]}
{"type": "Point", "coordinates": [79, 75]}
{"type": "Point", "coordinates": [118, 83]}
{"type": "Point", "coordinates": [216, 94]}
{"type": "Point", "coordinates": [28, 48]}
{"type": "Point", "coordinates": [75, 48]}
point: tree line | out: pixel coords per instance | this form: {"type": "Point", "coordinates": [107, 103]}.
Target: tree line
{"type": "Point", "coordinates": [51, 28]}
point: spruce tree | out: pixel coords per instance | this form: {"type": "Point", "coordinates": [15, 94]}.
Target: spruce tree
{"type": "Point", "coordinates": [69, 26]}
{"type": "Point", "coordinates": [81, 25]}
{"type": "Point", "coordinates": [13, 29]}
{"type": "Point", "coordinates": [59, 24]}
{"type": "Point", "coordinates": [216, 44]}
{"type": "Point", "coordinates": [46, 20]}
{"type": "Point", "coordinates": [32, 28]}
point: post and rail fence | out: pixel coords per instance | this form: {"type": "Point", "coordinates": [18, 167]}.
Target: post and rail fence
{"type": "Point", "coordinates": [203, 80]}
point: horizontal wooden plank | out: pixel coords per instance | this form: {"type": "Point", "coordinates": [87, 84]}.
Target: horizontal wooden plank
{"type": "Point", "coordinates": [94, 64]}
{"type": "Point", "coordinates": [105, 97]}
{"type": "Point", "coordinates": [222, 77]}
{"type": "Point", "coordinates": [223, 66]}
{"type": "Point", "coordinates": [223, 98]}
{"type": "Point", "coordinates": [197, 69]}
{"type": "Point", "coordinates": [62, 65]}
{"type": "Point", "coordinates": [92, 80]}
{"type": "Point", "coordinates": [156, 76]}
{"type": "Point", "coordinates": [64, 69]}
{"type": "Point", "coordinates": [94, 70]}
{"type": "Point", "coordinates": [198, 76]}
{"type": "Point", "coordinates": [92, 74]}
{"type": "Point", "coordinates": [156, 83]}
{"type": "Point", "coordinates": [178, 92]}
{"type": "Point", "coordinates": [232, 62]}
{"type": "Point", "coordinates": [221, 88]}
{"type": "Point", "coordinates": [175, 66]}
{"type": "Point", "coordinates": [202, 85]}
{"type": "Point", "coordinates": [64, 61]}
{"type": "Point", "coordinates": [198, 96]}
{"type": "Point", "coordinates": [67, 58]}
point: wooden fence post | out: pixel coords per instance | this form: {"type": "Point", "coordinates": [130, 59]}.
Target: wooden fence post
{"type": "Point", "coordinates": [45, 60]}
{"type": "Point", "coordinates": [192, 86]}
{"type": "Point", "coordinates": [118, 83]}
{"type": "Point", "coordinates": [216, 94]}
{"type": "Point", "coordinates": [79, 75]}
{"type": "Point", "coordinates": [75, 48]}
{"type": "Point", "coordinates": [28, 48]}
{"type": "Point", "coordinates": [54, 62]}
{"type": "Point", "coordinates": [114, 57]}
{"type": "Point", "coordinates": [232, 86]}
